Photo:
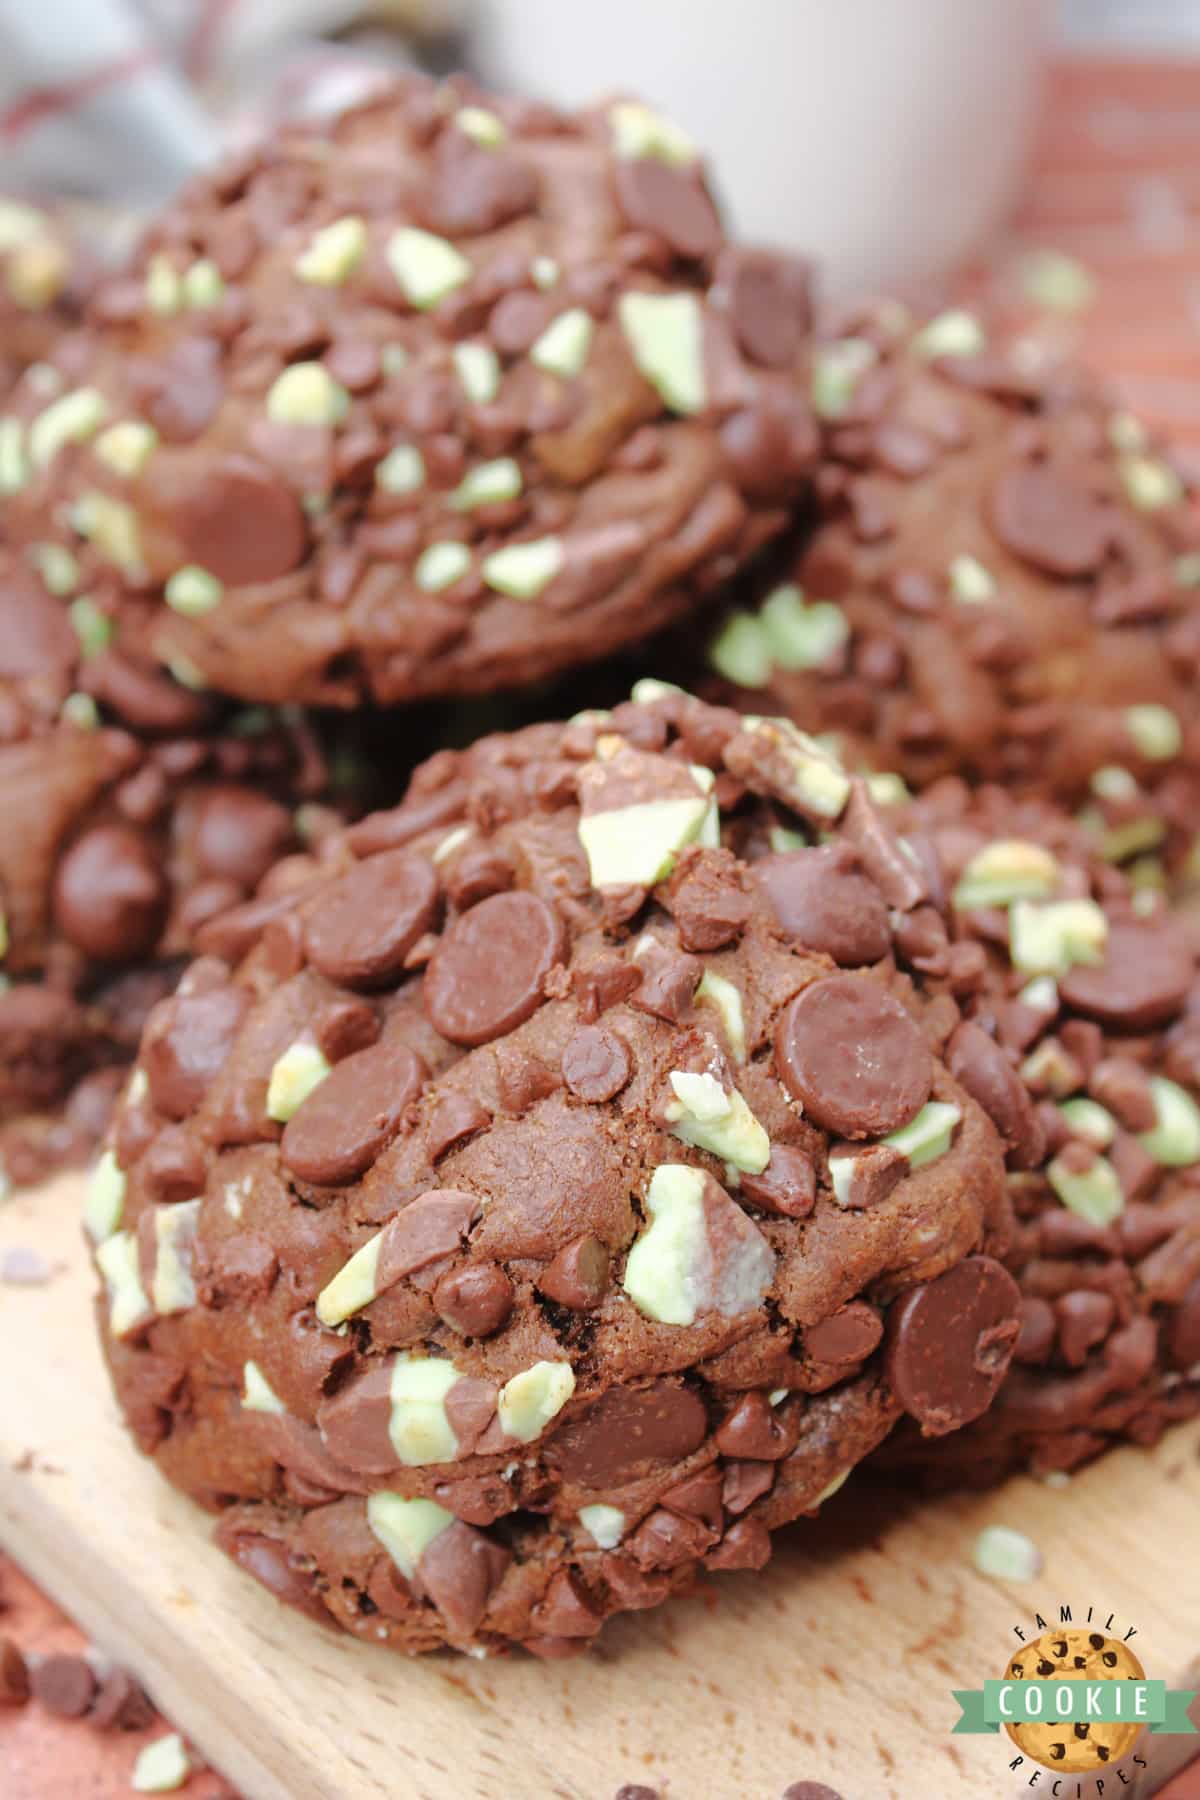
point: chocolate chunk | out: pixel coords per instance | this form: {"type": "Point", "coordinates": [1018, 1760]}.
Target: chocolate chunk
{"type": "Point", "coordinates": [596, 1064]}
{"type": "Point", "coordinates": [1039, 1328]}
{"type": "Point", "coordinates": [823, 900]}
{"type": "Point", "coordinates": [1143, 980]}
{"type": "Point", "coordinates": [698, 1497]}
{"type": "Point", "coordinates": [853, 1057]}
{"type": "Point", "coordinates": [578, 1276]}
{"type": "Point", "coordinates": [949, 1342]}
{"type": "Point", "coordinates": [1084, 1319]}
{"type": "Point", "coordinates": [977, 1061]}
{"type": "Point", "coordinates": [486, 975]}
{"type": "Point", "coordinates": [566, 1609]}
{"type": "Point", "coordinates": [1183, 1332]}
{"type": "Point", "coordinates": [111, 894]}
{"type": "Point", "coordinates": [788, 1184]}
{"type": "Point", "coordinates": [475, 1300]}
{"type": "Point", "coordinates": [1048, 520]}
{"type": "Point", "coordinates": [187, 1043]}
{"type": "Point", "coordinates": [365, 924]}
{"type": "Point", "coordinates": [708, 900]}
{"type": "Point", "coordinates": [626, 1428]}
{"type": "Point", "coordinates": [64, 1685]}
{"type": "Point", "coordinates": [337, 1133]}
{"type": "Point", "coordinates": [669, 980]}
{"type": "Point", "coordinates": [744, 1483]}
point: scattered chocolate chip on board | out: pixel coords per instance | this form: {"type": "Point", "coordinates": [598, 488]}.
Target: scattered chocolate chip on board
{"type": "Point", "coordinates": [448, 395]}
{"type": "Point", "coordinates": [551, 1195]}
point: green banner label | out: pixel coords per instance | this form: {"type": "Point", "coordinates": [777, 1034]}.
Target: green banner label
{"type": "Point", "coordinates": [1150, 1703]}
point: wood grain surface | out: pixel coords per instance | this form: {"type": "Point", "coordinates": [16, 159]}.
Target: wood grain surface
{"type": "Point", "coordinates": [835, 1664]}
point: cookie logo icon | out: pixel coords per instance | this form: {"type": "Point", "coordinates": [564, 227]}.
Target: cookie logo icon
{"type": "Point", "coordinates": [1074, 1746]}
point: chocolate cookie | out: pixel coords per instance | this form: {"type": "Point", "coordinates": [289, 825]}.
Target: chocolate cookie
{"type": "Point", "coordinates": [134, 809]}
{"type": "Point", "coordinates": [1002, 583]}
{"type": "Point", "coordinates": [531, 1210]}
{"type": "Point", "coordinates": [43, 282]}
{"type": "Point", "coordinates": [445, 396]}
{"type": "Point", "coordinates": [1082, 1042]}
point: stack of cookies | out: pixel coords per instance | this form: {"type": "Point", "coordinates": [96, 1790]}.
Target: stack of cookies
{"type": "Point", "coordinates": [538, 1190]}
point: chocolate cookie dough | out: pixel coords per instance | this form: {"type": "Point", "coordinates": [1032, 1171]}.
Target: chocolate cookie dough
{"type": "Point", "coordinates": [445, 396]}
{"type": "Point", "coordinates": [555, 1194]}
{"type": "Point", "coordinates": [134, 809]}
{"type": "Point", "coordinates": [43, 282]}
{"type": "Point", "coordinates": [1082, 1042]}
{"type": "Point", "coordinates": [1002, 583]}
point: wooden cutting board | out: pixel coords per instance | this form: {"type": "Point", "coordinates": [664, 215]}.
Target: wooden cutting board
{"type": "Point", "coordinates": [835, 1664]}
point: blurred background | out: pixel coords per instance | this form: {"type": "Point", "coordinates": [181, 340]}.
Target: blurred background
{"type": "Point", "coordinates": [1045, 151]}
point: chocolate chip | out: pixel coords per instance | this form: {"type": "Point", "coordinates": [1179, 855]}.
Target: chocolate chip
{"type": "Point", "coordinates": [823, 900]}
{"type": "Point", "coordinates": [663, 1540]}
{"type": "Point", "coordinates": [239, 833]}
{"type": "Point", "coordinates": [271, 1564]}
{"type": "Point", "coordinates": [809, 1790]}
{"type": "Point", "coordinates": [349, 1117]}
{"type": "Point", "coordinates": [14, 1675]}
{"type": "Point", "coordinates": [949, 1342]}
{"type": "Point", "coordinates": [567, 1610]}
{"type": "Point", "coordinates": [474, 189]}
{"type": "Point", "coordinates": [187, 1043]}
{"type": "Point", "coordinates": [755, 1431]}
{"type": "Point", "coordinates": [475, 1300]}
{"type": "Point", "coordinates": [173, 1167]}
{"type": "Point", "coordinates": [788, 1184]}
{"type": "Point", "coordinates": [64, 1685]}
{"type": "Point", "coordinates": [746, 1545]}
{"type": "Point", "coordinates": [121, 1704]}
{"type": "Point", "coordinates": [1039, 1328]}
{"type": "Point", "coordinates": [111, 894]}
{"type": "Point", "coordinates": [745, 1482]}
{"type": "Point", "coordinates": [241, 522]}
{"type": "Point", "coordinates": [1084, 1319]}
{"type": "Point", "coordinates": [699, 1497]}
{"type": "Point", "coordinates": [625, 1428]}
{"type": "Point", "coordinates": [365, 923]}
{"type": "Point", "coordinates": [848, 1336]}
{"type": "Point", "coordinates": [454, 1118]}
{"type": "Point", "coordinates": [604, 983]}
{"type": "Point", "coordinates": [853, 1057]}
{"type": "Point", "coordinates": [344, 1026]}
{"type": "Point", "coordinates": [671, 202]}
{"type": "Point", "coordinates": [1049, 521]}
{"type": "Point", "coordinates": [595, 1064]}
{"type": "Point", "coordinates": [459, 1571]}
{"type": "Point", "coordinates": [1183, 1329]}
{"type": "Point", "coordinates": [769, 304]}
{"type": "Point", "coordinates": [485, 977]}
{"type": "Point", "coordinates": [578, 1276]}
{"type": "Point", "coordinates": [978, 1063]}
{"type": "Point", "coordinates": [1143, 980]}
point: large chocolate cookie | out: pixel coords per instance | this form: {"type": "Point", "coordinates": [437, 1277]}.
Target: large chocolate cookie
{"type": "Point", "coordinates": [551, 1198]}
{"type": "Point", "coordinates": [446, 396]}
{"type": "Point", "coordinates": [133, 809]}
{"type": "Point", "coordinates": [1082, 1041]}
{"type": "Point", "coordinates": [1002, 583]}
